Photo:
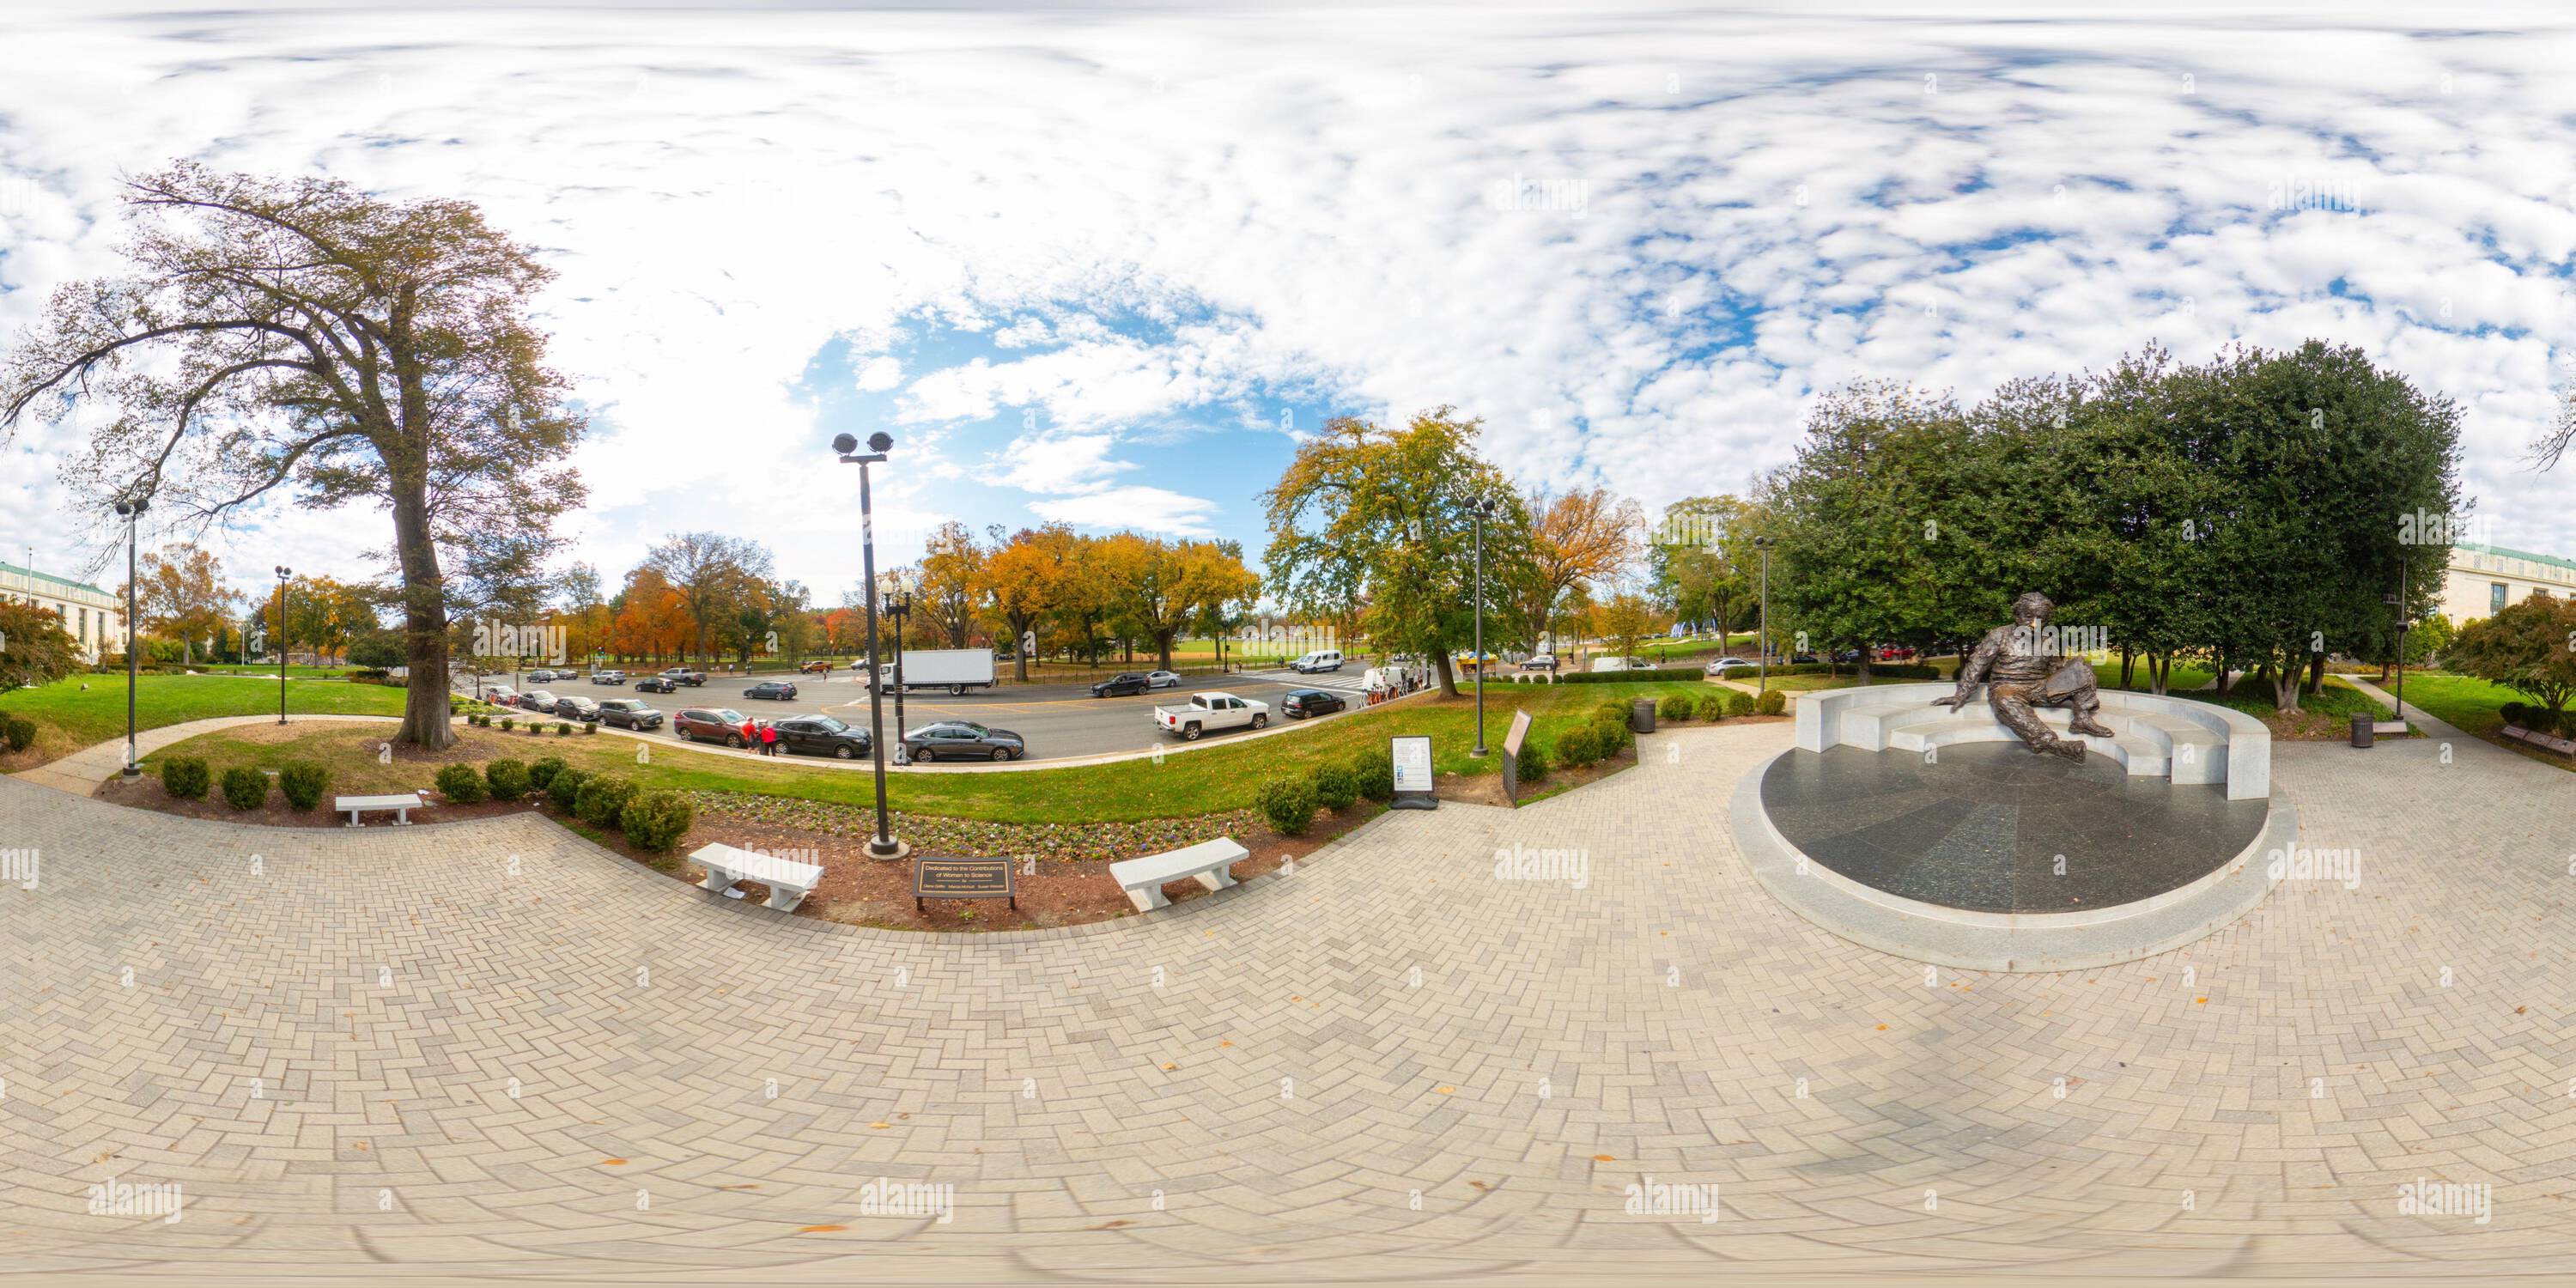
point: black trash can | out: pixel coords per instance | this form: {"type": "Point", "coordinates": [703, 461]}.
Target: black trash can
{"type": "Point", "coordinates": [1641, 715]}
{"type": "Point", "coordinates": [2363, 730]}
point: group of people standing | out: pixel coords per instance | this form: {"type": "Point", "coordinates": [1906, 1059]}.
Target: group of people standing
{"type": "Point", "coordinates": [760, 736]}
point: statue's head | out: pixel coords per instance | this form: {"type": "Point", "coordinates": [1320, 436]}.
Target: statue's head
{"type": "Point", "coordinates": [2032, 609]}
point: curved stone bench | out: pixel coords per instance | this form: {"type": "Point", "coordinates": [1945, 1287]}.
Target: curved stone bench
{"type": "Point", "coordinates": [2174, 738]}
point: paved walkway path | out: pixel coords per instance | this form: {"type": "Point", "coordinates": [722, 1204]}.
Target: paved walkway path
{"type": "Point", "coordinates": [490, 1048]}
{"type": "Point", "coordinates": [2433, 726]}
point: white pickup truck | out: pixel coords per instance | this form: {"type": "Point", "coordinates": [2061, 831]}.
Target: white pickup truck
{"type": "Point", "coordinates": [1208, 711]}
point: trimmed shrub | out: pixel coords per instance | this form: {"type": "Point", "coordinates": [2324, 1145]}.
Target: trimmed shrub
{"type": "Point", "coordinates": [304, 782]}
{"type": "Point", "coordinates": [1675, 706]}
{"type": "Point", "coordinates": [542, 773]}
{"type": "Point", "coordinates": [656, 821]}
{"type": "Point", "coordinates": [1771, 703]}
{"type": "Point", "coordinates": [460, 784]}
{"type": "Point", "coordinates": [1289, 803]}
{"type": "Point", "coordinates": [17, 732]}
{"type": "Point", "coordinates": [245, 787]}
{"type": "Point", "coordinates": [509, 723]}
{"type": "Point", "coordinates": [1739, 703]}
{"type": "Point", "coordinates": [1532, 765]}
{"type": "Point", "coordinates": [1374, 774]}
{"type": "Point", "coordinates": [185, 778]}
{"type": "Point", "coordinates": [1335, 788]}
{"type": "Point", "coordinates": [1612, 732]}
{"type": "Point", "coordinates": [1611, 710]}
{"type": "Point", "coordinates": [1578, 746]}
{"type": "Point", "coordinates": [589, 727]}
{"type": "Point", "coordinates": [602, 799]}
{"type": "Point", "coordinates": [508, 779]}
{"type": "Point", "coordinates": [562, 729]}
{"type": "Point", "coordinates": [1630, 677]}
{"type": "Point", "coordinates": [565, 788]}
{"type": "Point", "coordinates": [1710, 707]}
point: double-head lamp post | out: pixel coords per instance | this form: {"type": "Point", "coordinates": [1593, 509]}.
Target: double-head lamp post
{"type": "Point", "coordinates": [900, 609]}
{"type": "Point", "coordinates": [131, 510]}
{"type": "Point", "coordinates": [282, 574]}
{"type": "Point", "coordinates": [883, 845]}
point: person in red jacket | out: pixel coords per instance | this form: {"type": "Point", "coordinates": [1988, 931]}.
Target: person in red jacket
{"type": "Point", "coordinates": [750, 733]}
{"type": "Point", "coordinates": [768, 738]}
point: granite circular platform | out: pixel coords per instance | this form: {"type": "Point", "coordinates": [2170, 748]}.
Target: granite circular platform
{"type": "Point", "coordinates": [1985, 855]}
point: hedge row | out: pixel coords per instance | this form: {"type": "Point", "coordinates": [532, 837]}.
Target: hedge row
{"type": "Point", "coordinates": [304, 782]}
{"type": "Point", "coordinates": [1290, 803]}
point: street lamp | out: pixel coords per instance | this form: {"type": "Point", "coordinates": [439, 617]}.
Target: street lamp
{"type": "Point", "coordinates": [2398, 601]}
{"type": "Point", "coordinates": [1483, 509]}
{"type": "Point", "coordinates": [283, 572]}
{"type": "Point", "coordinates": [1762, 646]}
{"type": "Point", "coordinates": [899, 609]}
{"type": "Point", "coordinates": [131, 510]}
{"type": "Point", "coordinates": [882, 845]}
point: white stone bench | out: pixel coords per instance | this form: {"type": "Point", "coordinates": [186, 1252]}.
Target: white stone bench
{"type": "Point", "coordinates": [401, 803]}
{"type": "Point", "coordinates": [1143, 878]}
{"type": "Point", "coordinates": [788, 881]}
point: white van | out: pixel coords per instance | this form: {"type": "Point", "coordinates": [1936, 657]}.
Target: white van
{"type": "Point", "coordinates": [1601, 664]}
{"type": "Point", "coordinates": [1323, 660]}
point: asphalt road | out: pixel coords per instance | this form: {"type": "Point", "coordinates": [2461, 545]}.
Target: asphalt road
{"type": "Point", "coordinates": [1058, 721]}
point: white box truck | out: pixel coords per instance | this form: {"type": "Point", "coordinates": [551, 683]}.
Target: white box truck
{"type": "Point", "coordinates": [953, 669]}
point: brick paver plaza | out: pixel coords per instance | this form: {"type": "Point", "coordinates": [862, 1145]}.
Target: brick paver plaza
{"type": "Point", "coordinates": [491, 1048]}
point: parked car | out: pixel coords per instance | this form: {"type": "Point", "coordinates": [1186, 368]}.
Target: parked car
{"type": "Point", "coordinates": [656, 684]}
{"type": "Point", "coordinates": [1802, 659]}
{"type": "Point", "coordinates": [537, 700]}
{"type": "Point", "coordinates": [608, 677]}
{"type": "Point", "coordinates": [1301, 703]}
{"type": "Point", "coordinates": [1208, 712]}
{"type": "Point", "coordinates": [573, 706]}
{"type": "Point", "coordinates": [962, 740]}
{"type": "Point", "coordinates": [1726, 666]}
{"type": "Point", "coordinates": [541, 677]}
{"type": "Point", "coordinates": [1895, 652]}
{"type": "Point", "coordinates": [500, 695]}
{"type": "Point", "coordinates": [629, 713]}
{"type": "Point", "coordinates": [774, 690]}
{"type": "Point", "coordinates": [695, 679]}
{"type": "Point", "coordinates": [1122, 684]}
{"type": "Point", "coordinates": [1317, 662]}
{"type": "Point", "coordinates": [815, 667]}
{"type": "Point", "coordinates": [824, 736]}
{"type": "Point", "coordinates": [1539, 662]}
{"type": "Point", "coordinates": [1847, 656]}
{"type": "Point", "coordinates": [1162, 680]}
{"type": "Point", "coordinates": [713, 724]}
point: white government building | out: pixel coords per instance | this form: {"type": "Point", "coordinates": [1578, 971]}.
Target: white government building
{"type": "Point", "coordinates": [2484, 578]}
{"type": "Point", "coordinates": [92, 617]}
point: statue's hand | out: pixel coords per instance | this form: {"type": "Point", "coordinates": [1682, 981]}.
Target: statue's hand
{"type": "Point", "coordinates": [1951, 701]}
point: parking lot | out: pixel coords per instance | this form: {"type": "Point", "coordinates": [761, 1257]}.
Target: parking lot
{"type": "Point", "coordinates": [1058, 721]}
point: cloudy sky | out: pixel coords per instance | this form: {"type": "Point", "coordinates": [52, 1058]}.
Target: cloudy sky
{"type": "Point", "coordinates": [1105, 265]}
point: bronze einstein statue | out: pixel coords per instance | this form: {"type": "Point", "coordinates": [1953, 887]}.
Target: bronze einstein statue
{"type": "Point", "coordinates": [2023, 668]}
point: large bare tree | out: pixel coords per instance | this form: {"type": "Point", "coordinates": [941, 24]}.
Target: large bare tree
{"type": "Point", "coordinates": [301, 333]}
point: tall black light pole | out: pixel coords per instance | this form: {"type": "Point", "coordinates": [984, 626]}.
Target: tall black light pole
{"type": "Point", "coordinates": [132, 511]}
{"type": "Point", "coordinates": [1762, 628]}
{"type": "Point", "coordinates": [2398, 601]}
{"type": "Point", "coordinates": [899, 610]}
{"type": "Point", "coordinates": [1482, 507]}
{"type": "Point", "coordinates": [282, 574]}
{"type": "Point", "coordinates": [882, 845]}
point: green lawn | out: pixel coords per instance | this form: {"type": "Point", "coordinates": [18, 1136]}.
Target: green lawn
{"type": "Point", "coordinates": [85, 710]}
{"type": "Point", "coordinates": [1199, 782]}
{"type": "Point", "coordinates": [2474, 705]}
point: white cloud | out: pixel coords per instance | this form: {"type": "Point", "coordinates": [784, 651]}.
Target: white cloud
{"type": "Point", "coordinates": [1146, 509]}
{"type": "Point", "coordinates": [1306, 203]}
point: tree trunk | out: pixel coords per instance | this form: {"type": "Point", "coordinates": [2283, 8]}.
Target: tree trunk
{"type": "Point", "coordinates": [1019, 638]}
{"type": "Point", "coordinates": [2285, 687]}
{"type": "Point", "coordinates": [1448, 678]}
{"type": "Point", "coordinates": [1163, 647]}
{"type": "Point", "coordinates": [2316, 672]}
{"type": "Point", "coordinates": [2128, 666]}
{"type": "Point", "coordinates": [425, 719]}
{"type": "Point", "coordinates": [2159, 672]}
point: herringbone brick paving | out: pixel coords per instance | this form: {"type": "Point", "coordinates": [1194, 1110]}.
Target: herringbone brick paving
{"type": "Point", "coordinates": [492, 1048]}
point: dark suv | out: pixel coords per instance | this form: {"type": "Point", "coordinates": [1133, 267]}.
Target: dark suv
{"type": "Point", "coordinates": [1121, 684]}
{"type": "Point", "coordinates": [823, 736]}
{"type": "Point", "coordinates": [715, 724]}
{"type": "Point", "coordinates": [629, 713]}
